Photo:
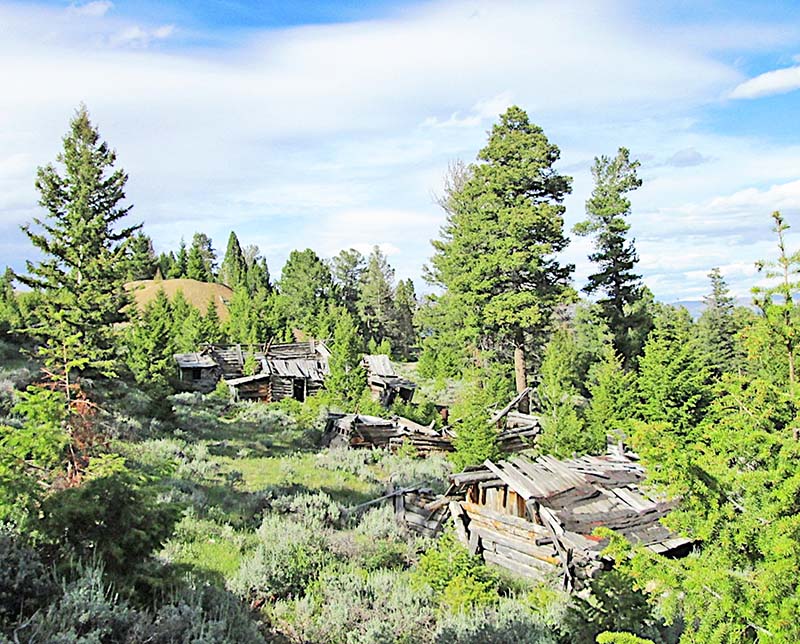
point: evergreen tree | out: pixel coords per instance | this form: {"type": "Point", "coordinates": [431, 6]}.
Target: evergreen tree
{"type": "Point", "coordinates": [673, 383]}
{"type": "Point", "coordinates": [257, 271]}
{"type": "Point", "coordinates": [150, 343]}
{"type": "Point", "coordinates": [564, 432]}
{"type": "Point", "coordinates": [141, 258]}
{"type": "Point", "coordinates": [347, 379]}
{"type": "Point", "coordinates": [405, 307]}
{"type": "Point", "coordinates": [233, 270]}
{"type": "Point", "coordinates": [717, 326]}
{"type": "Point", "coordinates": [376, 297]}
{"type": "Point", "coordinates": [181, 265]}
{"type": "Point", "coordinates": [211, 328]}
{"type": "Point", "coordinates": [777, 303]}
{"type": "Point", "coordinates": [204, 248]}
{"type": "Point", "coordinates": [347, 269]}
{"type": "Point", "coordinates": [166, 264]}
{"type": "Point", "coordinates": [476, 439]}
{"type": "Point", "coordinates": [497, 255]}
{"type": "Point", "coordinates": [614, 254]}
{"type": "Point", "coordinates": [196, 268]}
{"type": "Point", "coordinates": [180, 309]}
{"type": "Point", "coordinates": [612, 391]}
{"type": "Point", "coordinates": [10, 316]}
{"type": "Point", "coordinates": [83, 270]}
{"type": "Point", "coordinates": [306, 288]}
{"type": "Point", "coordinates": [188, 332]}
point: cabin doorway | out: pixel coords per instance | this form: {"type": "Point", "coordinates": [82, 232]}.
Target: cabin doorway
{"type": "Point", "coordinates": [299, 389]}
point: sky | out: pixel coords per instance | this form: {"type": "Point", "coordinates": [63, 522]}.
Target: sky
{"type": "Point", "coordinates": [331, 125]}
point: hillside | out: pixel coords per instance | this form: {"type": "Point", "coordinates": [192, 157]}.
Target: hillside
{"type": "Point", "coordinates": [196, 293]}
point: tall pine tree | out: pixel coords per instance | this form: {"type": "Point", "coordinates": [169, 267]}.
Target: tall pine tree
{"type": "Point", "coordinates": [497, 258]}
{"type": "Point", "coordinates": [614, 254]}
{"type": "Point", "coordinates": [233, 270]}
{"type": "Point", "coordinates": [84, 247]}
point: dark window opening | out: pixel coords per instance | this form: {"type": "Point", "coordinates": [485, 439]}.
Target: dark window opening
{"type": "Point", "coordinates": [299, 389]}
{"type": "Point", "coordinates": [197, 374]}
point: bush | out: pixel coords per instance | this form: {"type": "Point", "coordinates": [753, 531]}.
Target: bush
{"type": "Point", "coordinates": [459, 580]}
{"type": "Point", "coordinates": [112, 519]}
{"type": "Point", "coordinates": [86, 612]}
{"type": "Point", "coordinates": [430, 472]}
{"type": "Point", "coordinates": [508, 623]}
{"type": "Point", "coordinates": [352, 606]}
{"type": "Point", "coordinates": [317, 509]}
{"type": "Point", "coordinates": [288, 557]}
{"type": "Point", "coordinates": [25, 582]}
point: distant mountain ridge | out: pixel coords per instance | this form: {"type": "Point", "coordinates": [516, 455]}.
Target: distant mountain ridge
{"type": "Point", "coordinates": [696, 307]}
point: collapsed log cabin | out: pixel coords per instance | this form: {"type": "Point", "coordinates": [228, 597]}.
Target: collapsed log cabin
{"type": "Point", "coordinates": [517, 431]}
{"type": "Point", "coordinates": [536, 516]}
{"type": "Point", "coordinates": [385, 383]}
{"type": "Point", "coordinates": [360, 430]}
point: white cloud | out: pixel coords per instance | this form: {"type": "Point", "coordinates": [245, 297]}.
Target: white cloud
{"type": "Point", "coordinates": [334, 136]}
{"type": "Point", "coordinates": [779, 81]}
{"type": "Point", "coordinates": [94, 9]}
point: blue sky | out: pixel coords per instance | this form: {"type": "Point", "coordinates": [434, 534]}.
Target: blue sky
{"type": "Point", "coordinates": [331, 124]}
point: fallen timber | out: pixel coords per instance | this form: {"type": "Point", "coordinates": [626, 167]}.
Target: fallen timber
{"type": "Point", "coordinates": [536, 517]}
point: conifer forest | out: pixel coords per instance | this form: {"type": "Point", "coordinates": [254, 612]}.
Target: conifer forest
{"type": "Point", "coordinates": [196, 446]}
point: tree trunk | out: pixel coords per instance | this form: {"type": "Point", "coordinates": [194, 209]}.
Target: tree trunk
{"type": "Point", "coordinates": [521, 375]}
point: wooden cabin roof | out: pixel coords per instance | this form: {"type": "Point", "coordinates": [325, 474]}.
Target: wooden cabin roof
{"type": "Point", "coordinates": [311, 369]}
{"type": "Point", "coordinates": [578, 495]}
{"type": "Point", "coordinates": [380, 371]}
{"type": "Point", "coordinates": [194, 360]}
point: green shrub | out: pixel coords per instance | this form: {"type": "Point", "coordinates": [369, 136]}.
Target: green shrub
{"type": "Point", "coordinates": [86, 612]}
{"type": "Point", "coordinates": [459, 580]}
{"type": "Point", "coordinates": [349, 605]}
{"type": "Point", "coordinates": [288, 557]}
{"type": "Point", "coordinates": [316, 509]}
{"type": "Point", "coordinates": [25, 581]}
{"type": "Point", "coordinates": [112, 519]}
{"type": "Point", "coordinates": [507, 623]}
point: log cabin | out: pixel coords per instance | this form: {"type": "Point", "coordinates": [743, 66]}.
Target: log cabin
{"type": "Point", "coordinates": [536, 516]}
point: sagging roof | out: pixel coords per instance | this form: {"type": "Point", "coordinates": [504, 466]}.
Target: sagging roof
{"type": "Point", "coordinates": [379, 365]}
{"type": "Point", "coordinates": [298, 350]}
{"type": "Point", "coordinates": [579, 495]}
{"type": "Point", "coordinates": [296, 368]}
{"type": "Point", "coordinates": [195, 361]}
{"type": "Point", "coordinates": [245, 379]}
{"type": "Point", "coordinates": [381, 372]}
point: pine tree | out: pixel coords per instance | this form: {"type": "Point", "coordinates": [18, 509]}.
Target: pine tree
{"type": "Point", "coordinates": [181, 264]}
{"type": "Point", "coordinates": [166, 264]}
{"type": "Point", "coordinates": [10, 317]}
{"type": "Point", "coordinates": [150, 343]}
{"type": "Point", "coordinates": [257, 271]}
{"type": "Point", "coordinates": [612, 392]}
{"type": "Point", "coordinates": [233, 270]}
{"type": "Point", "coordinates": [141, 258]}
{"type": "Point", "coordinates": [674, 381]}
{"type": "Point", "coordinates": [347, 379]}
{"type": "Point", "coordinates": [196, 268]}
{"type": "Point", "coordinates": [718, 327]}
{"type": "Point", "coordinates": [347, 269]}
{"type": "Point", "coordinates": [405, 307]}
{"type": "Point", "coordinates": [306, 288]}
{"type": "Point", "coordinates": [497, 258]}
{"type": "Point", "coordinates": [83, 270]}
{"type": "Point", "coordinates": [614, 254]}
{"type": "Point", "coordinates": [208, 255]}
{"type": "Point", "coordinates": [781, 316]}
{"type": "Point", "coordinates": [188, 332]}
{"type": "Point", "coordinates": [211, 328]}
{"type": "Point", "coordinates": [376, 297]}
{"type": "Point", "coordinates": [564, 431]}
{"type": "Point", "coordinates": [476, 439]}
